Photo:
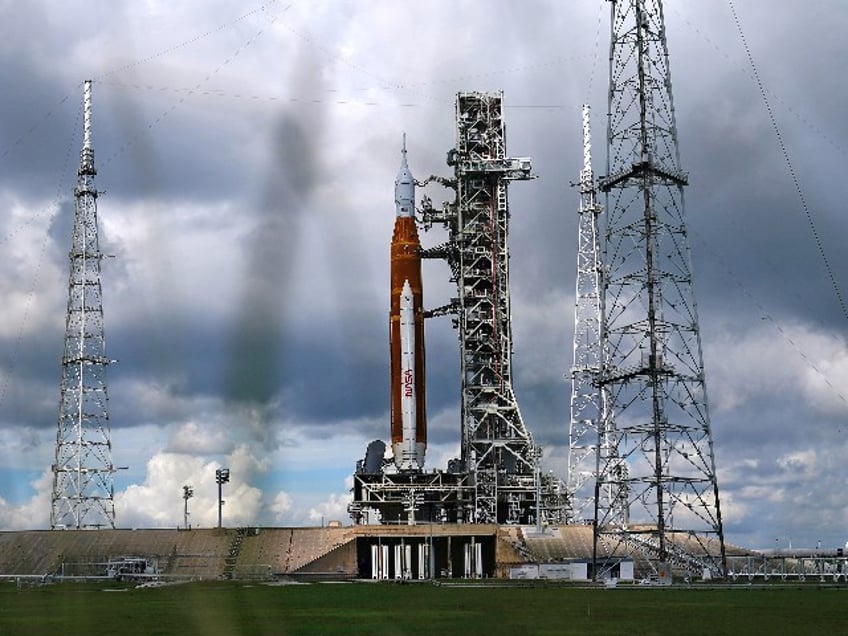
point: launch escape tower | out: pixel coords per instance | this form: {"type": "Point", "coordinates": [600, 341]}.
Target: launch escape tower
{"type": "Point", "coordinates": [83, 494]}
{"type": "Point", "coordinates": [656, 421]}
{"type": "Point", "coordinates": [497, 477]}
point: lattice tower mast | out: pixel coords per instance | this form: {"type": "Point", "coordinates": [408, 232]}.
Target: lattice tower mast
{"type": "Point", "coordinates": [654, 373]}
{"type": "Point", "coordinates": [83, 492]}
{"type": "Point", "coordinates": [587, 438]}
{"type": "Point", "coordinates": [497, 450]}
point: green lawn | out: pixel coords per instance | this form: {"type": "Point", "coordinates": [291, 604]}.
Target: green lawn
{"type": "Point", "coordinates": [365, 608]}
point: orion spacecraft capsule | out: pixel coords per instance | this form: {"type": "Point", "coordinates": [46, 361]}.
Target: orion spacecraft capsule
{"type": "Point", "coordinates": [406, 330]}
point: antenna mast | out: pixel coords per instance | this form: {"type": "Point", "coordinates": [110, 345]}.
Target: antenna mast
{"type": "Point", "coordinates": [83, 492]}
{"type": "Point", "coordinates": [663, 464]}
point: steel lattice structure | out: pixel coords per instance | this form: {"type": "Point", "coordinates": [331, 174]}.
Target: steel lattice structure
{"type": "Point", "coordinates": [587, 437]}
{"type": "Point", "coordinates": [657, 420]}
{"type": "Point", "coordinates": [497, 479]}
{"type": "Point", "coordinates": [83, 494]}
{"type": "Point", "coordinates": [497, 450]}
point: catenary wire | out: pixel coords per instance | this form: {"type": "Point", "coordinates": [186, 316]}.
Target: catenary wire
{"type": "Point", "coordinates": [790, 166]}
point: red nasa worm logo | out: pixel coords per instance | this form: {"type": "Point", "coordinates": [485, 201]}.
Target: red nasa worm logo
{"type": "Point", "coordinates": [407, 383]}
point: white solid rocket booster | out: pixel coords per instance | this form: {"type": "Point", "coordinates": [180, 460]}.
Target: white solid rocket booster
{"type": "Point", "coordinates": [409, 453]}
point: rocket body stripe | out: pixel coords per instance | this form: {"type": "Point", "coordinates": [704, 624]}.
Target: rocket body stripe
{"type": "Point", "coordinates": [406, 331]}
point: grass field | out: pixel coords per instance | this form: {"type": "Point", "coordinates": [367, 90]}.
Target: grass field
{"type": "Point", "coordinates": [363, 608]}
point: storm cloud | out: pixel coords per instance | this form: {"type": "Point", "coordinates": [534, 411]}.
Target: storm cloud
{"type": "Point", "coordinates": [246, 159]}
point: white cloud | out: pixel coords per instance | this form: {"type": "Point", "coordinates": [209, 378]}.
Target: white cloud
{"type": "Point", "coordinates": [333, 509]}
{"type": "Point", "coordinates": [158, 500]}
{"type": "Point", "coordinates": [32, 283]}
{"type": "Point", "coordinates": [172, 255]}
{"type": "Point", "coordinates": [185, 135]}
{"type": "Point", "coordinates": [281, 507]}
{"type": "Point", "coordinates": [33, 513]}
{"type": "Point", "coordinates": [194, 437]}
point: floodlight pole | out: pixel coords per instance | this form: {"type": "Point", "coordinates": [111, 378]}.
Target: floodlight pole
{"type": "Point", "coordinates": [222, 476]}
{"type": "Point", "coordinates": [188, 493]}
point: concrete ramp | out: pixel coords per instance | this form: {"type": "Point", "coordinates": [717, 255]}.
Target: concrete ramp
{"type": "Point", "coordinates": [284, 551]}
{"type": "Point", "coordinates": [194, 553]}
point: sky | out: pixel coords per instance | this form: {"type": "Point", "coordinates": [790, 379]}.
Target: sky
{"type": "Point", "coordinates": [246, 154]}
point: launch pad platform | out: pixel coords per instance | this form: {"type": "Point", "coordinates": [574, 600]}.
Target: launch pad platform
{"type": "Point", "coordinates": [382, 552]}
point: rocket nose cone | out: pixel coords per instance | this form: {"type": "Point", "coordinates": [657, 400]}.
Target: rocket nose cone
{"type": "Point", "coordinates": [404, 176]}
{"type": "Point", "coordinates": [404, 187]}
{"type": "Point", "coordinates": [406, 292]}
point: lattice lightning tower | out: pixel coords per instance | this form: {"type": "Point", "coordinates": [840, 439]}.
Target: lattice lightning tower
{"type": "Point", "coordinates": [497, 450]}
{"type": "Point", "coordinates": [83, 494]}
{"type": "Point", "coordinates": [654, 374]}
{"type": "Point", "coordinates": [588, 402]}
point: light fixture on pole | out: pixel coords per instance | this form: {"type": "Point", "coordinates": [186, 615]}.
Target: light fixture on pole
{"type": "Point", "coordinates": [222, 476]}
{"type": "Point", "coordinates": [188, 493]}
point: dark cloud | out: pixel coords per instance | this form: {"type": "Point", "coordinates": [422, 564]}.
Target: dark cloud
{"type": "Point", "coordinates": [248, 164]}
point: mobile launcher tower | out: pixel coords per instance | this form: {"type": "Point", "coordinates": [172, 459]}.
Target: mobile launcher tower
{"type": "Point", "coordinates": [497, 478]}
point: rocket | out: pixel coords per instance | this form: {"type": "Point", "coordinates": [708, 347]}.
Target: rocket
{"type": "Point", "coordinates": [406, 330]}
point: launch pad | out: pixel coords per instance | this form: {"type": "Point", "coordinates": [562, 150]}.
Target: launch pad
{"type": "Point", "coordinates": [497, 478]}
{"type": "Point", "coordinates": [445, 497]}
{"type": "Point", "coordinates": [640, 442]}
{"type": "Point", "coordinates": [377, 552]}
